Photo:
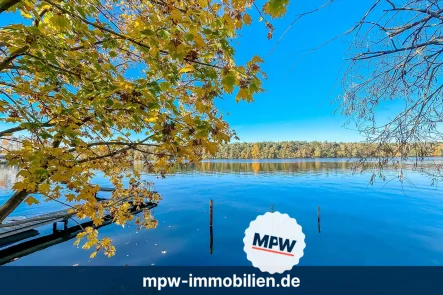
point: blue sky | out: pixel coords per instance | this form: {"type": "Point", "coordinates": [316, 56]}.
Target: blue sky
{"type": "Point", "coordinates": [299, 100]}
{"type": "Point", "coordinates": [297, 104]}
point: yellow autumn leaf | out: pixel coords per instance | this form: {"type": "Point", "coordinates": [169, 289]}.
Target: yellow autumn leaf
{"type": "Point", "coordinates": [199, 41]}
{"type": "Point", "coordinates": [247, 19]}
{"type": "Point", "coordinates": [26, 15]}
{"type": "Point", "coordinates": [211, 147]}
{"type": "Point", "coordinates": [176, 15]}
{"type": "Point", "coordinates": [19, 186]}
{"type": "Point", "coordinates": [203, 3]}
{"type": "Point", "coordinates": [44, 188]}
{"type": "Point", "coordinates": [200, 107]}
{"type": "Point", "coordinates": [186, 69]}
{"type": "Point", "coordinates": [244, 94]}
{"type": "Point", "coordinates": [31, 200]}
{"type": "Point", "coordinates": [257, 59]}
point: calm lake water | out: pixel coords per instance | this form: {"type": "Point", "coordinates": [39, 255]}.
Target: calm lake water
{"type": "Point", "coordinates": [382, 224]}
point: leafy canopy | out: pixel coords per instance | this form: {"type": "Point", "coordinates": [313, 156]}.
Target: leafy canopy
{"type": "Point", "coordinates": [90, 82]}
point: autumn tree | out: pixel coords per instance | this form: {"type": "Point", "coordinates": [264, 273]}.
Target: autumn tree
{"type": "Point", "coordinates": [315, 149]}
{"type": "Point", "coordinates": [88, 82]}
{"type": "Point", "coordinates": [255, 151]}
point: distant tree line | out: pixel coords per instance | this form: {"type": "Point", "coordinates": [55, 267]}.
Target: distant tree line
{"type": "Point", "coordinates": [318, 149]}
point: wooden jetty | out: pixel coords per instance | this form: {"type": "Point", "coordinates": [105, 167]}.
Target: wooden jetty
{"type": "Point", "coordinates": [18, 237]}
{"type": "Point", "coordinates": [14, 226]}
{"type": "Point", "coordinates": [23, 229]}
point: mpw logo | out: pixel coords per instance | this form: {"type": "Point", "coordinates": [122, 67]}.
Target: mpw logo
{"type": "Point", "coordinates": [274, 242]}
{"type": "Point", "coordinates": [267, 243]}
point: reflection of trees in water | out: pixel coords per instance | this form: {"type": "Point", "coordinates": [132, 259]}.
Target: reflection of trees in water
{"type": "Point", "coordinates": [269, 167]}
{"type": "Point", "coordinates": [8, 177]}
{"type": "Point", "coordinates": [257, 167]}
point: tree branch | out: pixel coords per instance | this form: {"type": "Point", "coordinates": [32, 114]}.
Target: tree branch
{"type": "Point", "coordinates": [372, 54]}
{"type": "Point", "coordinates": [5, 63]}
{"type": "Point", "coordinates": [6, 4]}
{"type": "Point", "coordinates": [11, 130]}
{"type": "Point", "coordinates": [121, 35]}
{"type": "Point", "coordinates": [130, 144]}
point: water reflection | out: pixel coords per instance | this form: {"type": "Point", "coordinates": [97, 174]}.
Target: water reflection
{"type": "Point", "coordinates": [361, 224]}
{"type": "Point", "coordinates": [260, 166]}
{"type": "Point", "coordinates": [8, 177]}
{"type": "Point", "coordinates": [263, 167]}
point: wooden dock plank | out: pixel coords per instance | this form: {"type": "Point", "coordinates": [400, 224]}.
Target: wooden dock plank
{"type": "Point", "coordinates": [25, 248]}
{"type": "Point", "coordinates": [18, 237]}
{"type": "Point", "coordinates": [18, 226]}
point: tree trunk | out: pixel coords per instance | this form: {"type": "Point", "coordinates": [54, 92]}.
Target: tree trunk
{"type": "Point", "coordinates": [18, 197]}
{"type": "Point", "coordinates": [6, 4]}
{"type": "Point", "coordinates": [13, 202]}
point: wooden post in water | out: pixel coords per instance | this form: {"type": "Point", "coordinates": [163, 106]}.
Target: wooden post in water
{"type": "Point", "coordinates": [211, 231]}
{"type": "Point", "coordinates": [318, 218]}
{"type": "Point", "coordinates": [272, 208]}
{"type": "Point", "coordinates": [65, 224]}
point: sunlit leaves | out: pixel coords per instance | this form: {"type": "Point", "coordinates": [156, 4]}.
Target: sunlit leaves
{"type": "Point", "coordinates": [26, 14]}
{"type": "Point", "coordinates": [276, 8]}
{"type": "Point", "coordinates": [186, 69]}
{"type": "Point", "coordinates": [60, 22]}
{"type": "Point", "coordinates": [199, 41]}
{"type": "Point", "coordinates": [95, 84]}
{"type": "Point", "coordinates": [257, 59]}
{"type": "Point", "coordinates": [245, 94]}
{"type": "Point", "coordinates": [92, 240]}
{"type": "Point", "coordinates": [31, 200]}
{"type": "Point", "coordinates": [247, 19]}
{"type": "Point", "coordinates": [229, 81]}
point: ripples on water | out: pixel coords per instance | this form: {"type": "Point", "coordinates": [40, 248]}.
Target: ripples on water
{"type": "Point", "coordinates": [388, 223]}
